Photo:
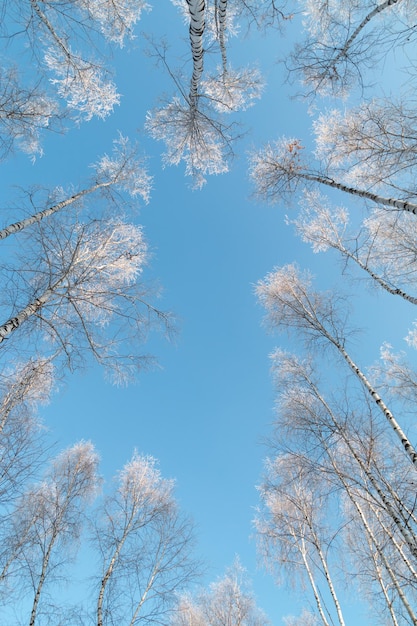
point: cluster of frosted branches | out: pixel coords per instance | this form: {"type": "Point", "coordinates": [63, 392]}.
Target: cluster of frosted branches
{"type": "Point", "coordinates": [276, 168]}
{"type": "Point", "coordinates": [383, 247]}
{"type": "Point", "coordinates": [24, 112]}
{"type": "Point", "coordinates": [229, 600]}
{"type": "Point", "coordinates": [190, 125]}
{"type": "Point", "coordinates": [88, 293]}
{"type": "Point", "coordinates": [62, 34]}
{"type": "Point", "coordinates": [233, 90]}
{"type": "Point", "coordinates": [320, 224]}
{"type": "Point", "coordinates": [192, 136]}
{"type": "Point", "coordinates": [116, 18]}
{"type": "Point", "coordinates": [331, 453]}
{"type": "Point", "coordinates": [372, 144]}
{"type": "Point", "coordinates": [141, 481]}
{"type": "Point", "coordinates": [83, 85]}
{"type": "Point", "coordinates": [123, 169]}
{"type": "Point", "coordinates": [344, 39]}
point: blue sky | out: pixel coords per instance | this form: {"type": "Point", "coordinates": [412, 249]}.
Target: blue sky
{"type": "Point", "coordinates": [206, 409]}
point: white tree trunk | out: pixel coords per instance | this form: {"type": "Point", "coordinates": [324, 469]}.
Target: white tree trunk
{"type": "Point", "coordinates": [402, 526]}
{"type": "Point", "coordinates": [381, 7]}
{"type": "Point", "coordinates": [14, 322]}
{"type": "Point", "coordinates": [313, 584]}
{"type": "Point", "coordinates": [221, 12]}
{"type": "Point", "coordinates": [385, 563]}
{"type": "Point", "coordinates": [197, 25]}
{"type": "Point", "coordinates": [37, 217]}
{"type": "Point", "coordinates": [403, 205]}
{"type": "Point", "coordinates": [331, 586]}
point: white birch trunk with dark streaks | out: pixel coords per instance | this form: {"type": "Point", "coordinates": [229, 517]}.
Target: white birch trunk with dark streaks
{"type": "Point", "coordinates": [15, 322]}
{"type": "Point", "coordinates": [37, 217]}
{"type": "Point", "coordinates": [402, 205]}
{"type": "Point", "coordinates": [197, 25]}
{"type": "Point", "coordinates": [385, 5]}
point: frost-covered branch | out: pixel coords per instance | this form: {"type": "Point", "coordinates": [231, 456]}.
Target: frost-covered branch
{"type": "Point", "coordinates": [291, 304]}
{"type": "Point", "coordinates": [278, 171]}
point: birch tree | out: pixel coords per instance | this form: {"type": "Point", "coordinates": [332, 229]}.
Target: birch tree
{"type": "Point", "coordinates": [342, 444]}
{"type": "Point", "coordinates": [292, 529]}
{"type": "Point", "coordinates": [279, 170]}
{"type": "Point", "coordinates": [344, 39]}
{"type": "Point", "coordinates": [373, 144]}
{"type": "Point", "coordinates": [83, 292]}
{"type": "Point", "coordinates": [121, 171]}
{"type": "Point", "coordinates": [190, 128]}
{"type": "Point", "coordinates": [292, 304]}
{"type": "Point", "coordinates": [383, 247]}
{"type": "Point", "coordinates": [143, 545]}
{"type": "Point", "coordinates": [48, 519]}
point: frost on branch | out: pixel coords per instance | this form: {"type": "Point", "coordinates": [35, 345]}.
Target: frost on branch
{"type": "Point", "coordinates": [116, 17]}
{"type": "Point", "coordinates": [305, 619]}
{"type": "Point", "coordinates": [82, 84]}
{"type": "Point", "coordinates": [233, 90]}
{"type": "Point", "coordinates": [372, 144]}
{"type": "Point", "coordinates": [190, 136]}
{"type": "Point", "coordinates": [140, 482]}
{"type": "Point", "coordinates": [275, 169]}
{"type": "Point", "coordinates": [229, 600]}
{"type": "Point", "coordinates": [392, 245]}
{"type": "Point", "coordinates": [26, 385]}
{"type": "Point", "coordinates": [124, 169]}
{"type": "Point", "coordinates": [291, 303]}
{"type": "Point", "coordinates": [83, 294]}
{"type": "Point", "coordinates": [319, 224]}
{"type": "Point", "coordinates": [24, 113]}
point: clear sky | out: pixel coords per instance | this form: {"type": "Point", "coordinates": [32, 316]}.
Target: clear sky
{"type": "Point", "coordinates": [205, 411]}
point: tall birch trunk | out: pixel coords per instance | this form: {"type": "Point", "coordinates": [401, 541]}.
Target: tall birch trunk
{"type": "Point", "coordinates": [381, 7]}
{"type": "Point", "coordinates": [15, 322]}
{"type": "Point", "coordinates": [141, 602]}
{"type": "Point", "coordinates": [384, 560]}
{"type": "Point", "coordinates": [41, 581]}
{"type": "Point", "coordinates": [330, 585]}
{"type": "Point", "coordinates": [312, 583]}
{"type": "Point", "coordinates": [405, 442]}
{"type": "Point", "coordinates": [368, 532]}
{"type": "Point", "coordinates": [395, 543]}
{"type": "Point", "coordinates": [403, 205]}
{"type": "Point", "coordinates": [110, 568]}
{"type": "Point", "coordinates": [378, 279]}
{"type": "Point", "coordinates": [221, 13]}
{"type": "Point", "coordinates": [37, 217]}
{"type": "Point", "coordinates": [197, 25]}
{"type": "Point", "coordinates": [401, 524]}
